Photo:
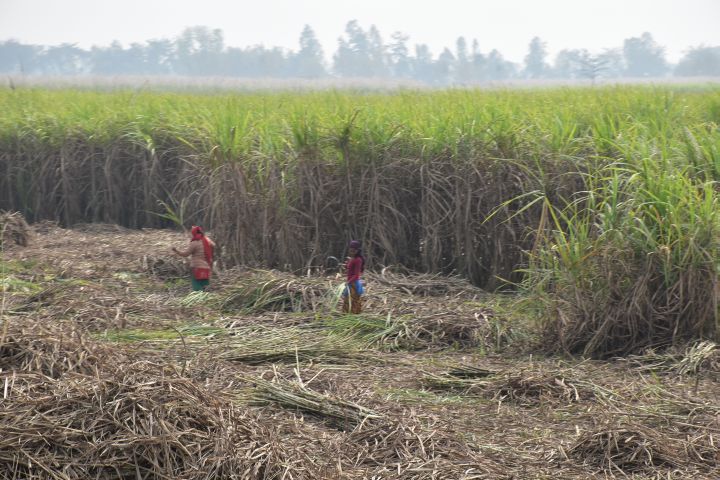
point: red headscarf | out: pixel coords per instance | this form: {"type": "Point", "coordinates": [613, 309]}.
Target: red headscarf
{"type": "Point", "coordinates": [197, 234]}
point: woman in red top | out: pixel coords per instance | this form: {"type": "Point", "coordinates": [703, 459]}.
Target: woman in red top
{"type": "Point", "coordinates": [200, 251]}
{"type": "Point", "coordinates": [355, 265]}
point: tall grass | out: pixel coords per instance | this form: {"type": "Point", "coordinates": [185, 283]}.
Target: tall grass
{"type": "Point", "coordinates": [625, 176]}
{"type": "Point", "coordinates": [631, 262]}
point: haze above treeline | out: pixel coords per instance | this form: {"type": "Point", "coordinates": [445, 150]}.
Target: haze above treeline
{"type": "Point", "coordinates": [362, 52]}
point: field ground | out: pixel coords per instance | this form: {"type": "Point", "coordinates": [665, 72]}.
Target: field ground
{"type": "Point", "coordinates": [109, 368]}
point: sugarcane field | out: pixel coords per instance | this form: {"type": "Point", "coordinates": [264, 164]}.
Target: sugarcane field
{"type": "Point", "coordinates": [459, 284]}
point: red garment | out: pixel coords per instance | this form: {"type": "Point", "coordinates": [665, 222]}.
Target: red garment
{"type": "Point", "coordinates": [201, 273]}
{"type": "Point", "coordinates": [197, 234]}
{"type": "Point", "coordinates": [354, 267]}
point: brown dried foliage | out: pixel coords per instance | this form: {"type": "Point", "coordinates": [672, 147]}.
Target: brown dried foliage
{"type": "Point", "coordinates": [14, 229]}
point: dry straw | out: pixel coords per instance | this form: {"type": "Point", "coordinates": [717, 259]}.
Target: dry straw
{"type": "Point", "coordinates": [139, 422]}
{"type": "Point", "coordinates": [13, 229]}
{"type": "Point", "coordinates": [633, 447]}
{"type": "Point", "coordinates": [74, 408]}
{"type": "Point", "coordinates": [340, 413]}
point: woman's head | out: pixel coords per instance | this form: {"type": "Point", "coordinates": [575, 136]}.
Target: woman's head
{"type": "Point", "coordinates": [355, 251]}
{"type": "Point", "coordinates": [196, 232]}
{"type": "Point", "coordinates": [354, 247]}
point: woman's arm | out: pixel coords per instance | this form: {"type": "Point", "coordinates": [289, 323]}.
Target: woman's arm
{"type": "Point", "coordinates": [184, 253]}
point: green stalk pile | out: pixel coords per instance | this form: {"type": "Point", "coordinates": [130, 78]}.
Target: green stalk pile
{"type": "Point", "coordinates": [258, 345]}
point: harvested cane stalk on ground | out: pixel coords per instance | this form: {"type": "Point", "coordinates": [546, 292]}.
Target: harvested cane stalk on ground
{"type": "Point", "coordinates": [696, 358]}
{"type": "Point", "coordinates": [523, 388]}
{"type": "Point", "coordinates": [51, 350]}
{"type": "Point", "coordinates": [419, 323]}
{"type": "Point", "coordinates": [463, 378]}
{"type": "Point", "coordinates": [257, 345]}
{"type": "Point", "coordinates": [140, 421]}
{"type": "Point", "coordinates": [342, 414]}
{"type": "Point", "coordinates": [632, 447]}
{"type": "Point", "coordinates": [408, 325]}
{"type": "Point", "coordinates": [409, 447]}
{"type": "Point", "coordinates": [272, 291]}
{"type": "Point", "coordinates": [440, 331]}
{"type": "Point", "coordinates": [425, 284]}
{"type": "Point", "coordinates": [534, 388]}
{"type": "Point", "coordinates": [37, 300]}
{"type": "Point", "coordinates": [92, 306]}
{"type": "Point", "coordinates": [165, 268]}
{"type": "Point", "coordinates": [410, 332]}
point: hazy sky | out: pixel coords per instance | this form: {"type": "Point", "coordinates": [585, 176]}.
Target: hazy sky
{"type": "Point", "coordinates": [507, 25]}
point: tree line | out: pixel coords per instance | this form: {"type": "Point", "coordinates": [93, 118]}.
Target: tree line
{"type": "Point", "coordinates": [201, 51]}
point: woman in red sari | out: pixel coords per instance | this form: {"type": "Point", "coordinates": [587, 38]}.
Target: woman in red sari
{"type": "Point", "coordinates": [200, 250]}
{"type": "Point", "coordinates": [355, 265]}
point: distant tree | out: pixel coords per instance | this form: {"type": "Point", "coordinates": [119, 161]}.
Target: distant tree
{"type": "Point", "coordinates": [535, 65]}
{"type": "Point", "coordinates": [360, 53]}
{"type": "Point", "coordinates": [115, 60]}
{"type": "Point", "coordinates": [461, 50]}
{"type": "Point", "coordinates": [257, 61]}
{"type": "Point", "coordinates": [498, 68]}
{"type": "Point", "coordinates": [199, 51]}
{"type": "Point", "coordinates": [700, 61]}
{"type": "Point", "coordinates": [156, 57]}
{"type": "Point", "coordinates": [271, 62]}
{"type": "Point", "coordinates": [566, 63]}
{"type": "Point", "coordinates": [136, 59]}
{"type": "Point", "coordinates": [579, 63]}
{"type": "Point", "coordinates": [399, 56]}
{"type": "Point", "coordinates": [159, 56]}
{"type": "Point", "coordinates": [239, 63]}
{"type": "Point", "coordinates": [591, 66]}
{"type": "Point", "coordinates": [309, 61]}
{"type": "Point", "coordinates": [444, 66]}
{"type": "Point", "coordinates": [423, 65]}
{"type": "Point", "coordinates": [65, 59]}
{"type": "Point", "coordinates": [478, 63]}
{"type": "Point", "coordinates": [200, 39]}
{"type": "Point", "coordinates": [644, 57]}
{"type": "Point", "coordinates": [18, 58]}
{"type": "Point", "coordinates": [377, 55]}
{"type": "Point", "coordinates": [613, 61]}
{"type": "Point", "coordinates": [463, 67]}
{"type": "Point", "coordinates": [343, 64]}
{"type": "Point", "coordinates": [352, 58]}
